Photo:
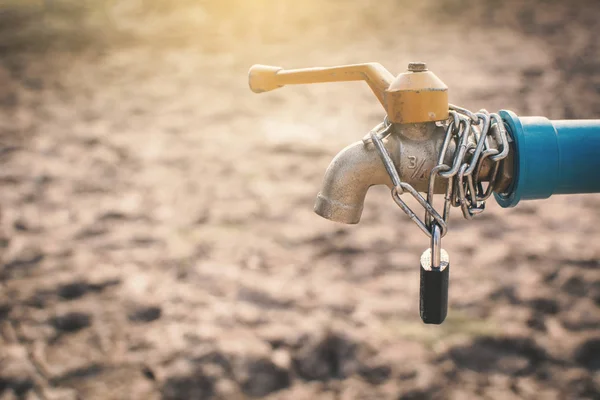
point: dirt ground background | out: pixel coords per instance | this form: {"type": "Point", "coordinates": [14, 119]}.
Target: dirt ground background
{"type": "Point", "coordinates": [159, 240]}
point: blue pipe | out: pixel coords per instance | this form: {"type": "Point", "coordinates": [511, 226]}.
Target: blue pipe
{"type": "Point", "coordinates": [551, 157]}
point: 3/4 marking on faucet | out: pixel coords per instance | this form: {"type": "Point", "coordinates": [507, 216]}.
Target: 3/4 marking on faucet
{"type": "Point", "coordinates": [412, 162]}
{"type": "Point", "coordinates": [419, 168]}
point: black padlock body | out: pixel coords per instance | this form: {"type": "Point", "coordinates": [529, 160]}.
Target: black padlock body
{"type": "Point", "coordinates": [434, 293]}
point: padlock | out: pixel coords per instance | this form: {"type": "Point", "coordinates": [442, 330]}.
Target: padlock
{"type": "Point", "coordinates": [435, 274]}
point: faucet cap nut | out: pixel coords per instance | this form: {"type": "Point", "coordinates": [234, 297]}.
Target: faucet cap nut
{"type": "Point", "coordinates": [416, 96]}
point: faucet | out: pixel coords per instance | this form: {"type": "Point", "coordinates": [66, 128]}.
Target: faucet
{"type": "Point", "coordinates": [416, 102]}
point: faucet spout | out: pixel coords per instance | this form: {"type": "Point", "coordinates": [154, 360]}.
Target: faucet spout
{"type": "Point", "coordinates": [348, 178]}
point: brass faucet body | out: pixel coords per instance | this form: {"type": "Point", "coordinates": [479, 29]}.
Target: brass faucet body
{"type": "Point", "coordinates": [413, 148]}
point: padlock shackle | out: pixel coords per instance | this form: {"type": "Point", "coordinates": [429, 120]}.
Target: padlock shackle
{"type": "Point", "coordinates": [436, 245]}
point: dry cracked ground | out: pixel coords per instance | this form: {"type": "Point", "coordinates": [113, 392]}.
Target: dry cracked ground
{"type": "Point", "coordinates": [158, 234]}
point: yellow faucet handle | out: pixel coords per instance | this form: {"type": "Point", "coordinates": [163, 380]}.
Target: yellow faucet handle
{"type": "Point", "coordinates": [414, 96]}
{"type": "Point", "coordinates": [263, 78]}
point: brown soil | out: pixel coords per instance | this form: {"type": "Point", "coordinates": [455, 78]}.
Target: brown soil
{"type": "Point", "coordinates": [160, 240]}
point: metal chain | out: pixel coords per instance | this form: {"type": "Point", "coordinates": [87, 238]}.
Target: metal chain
{"type": "Point", "coordinates": [377, 135]}
{"type": "Point", "coordinates": [486, 139]}
{"type": "Point", "coordinates": [477, 137]}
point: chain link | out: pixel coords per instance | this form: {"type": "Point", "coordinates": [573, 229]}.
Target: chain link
{"type": "Point", "coordinates": [399, 187]}
{"type": "Point", "coordinates": [478, 137]}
